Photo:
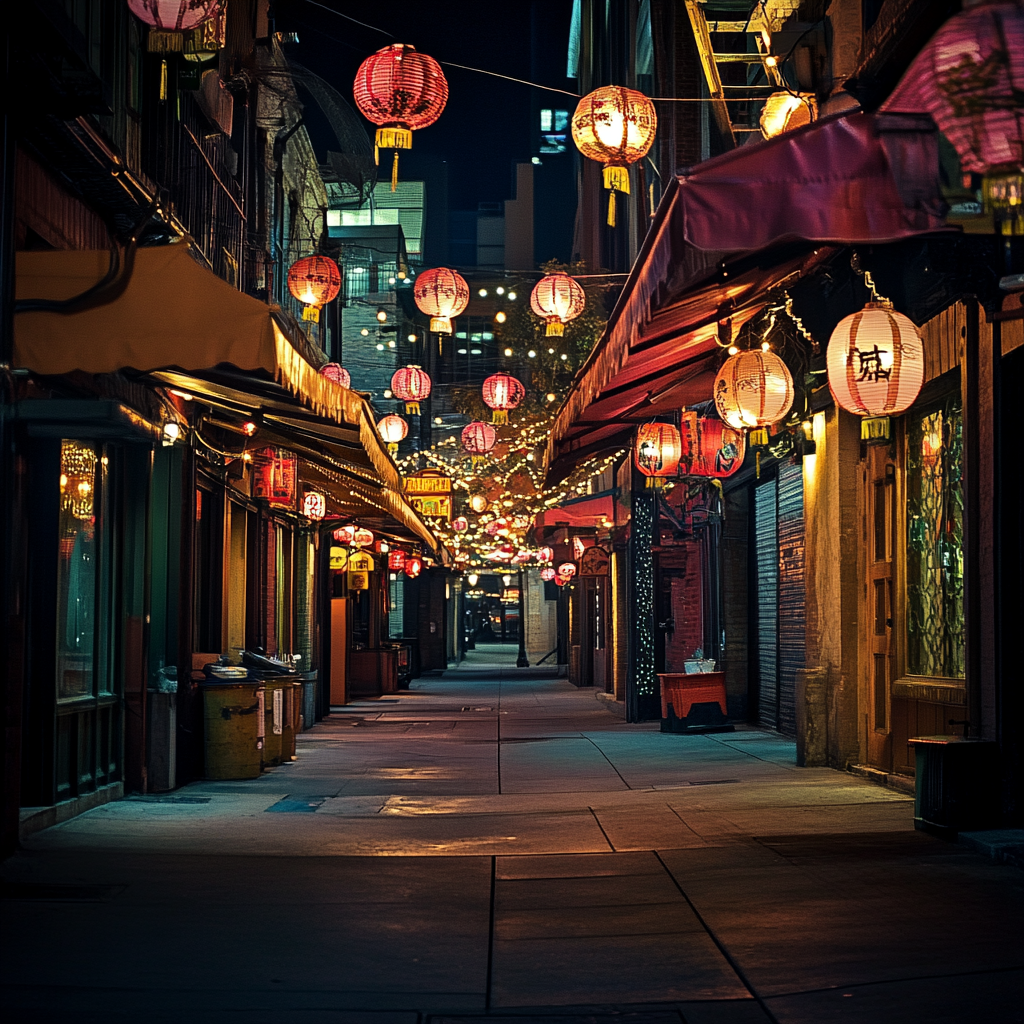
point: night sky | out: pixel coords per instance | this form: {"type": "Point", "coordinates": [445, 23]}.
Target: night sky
{"type": "Point", "coordinates": [486, 126]}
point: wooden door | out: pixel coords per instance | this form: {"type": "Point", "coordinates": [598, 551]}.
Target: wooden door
{"type": "Point", "coordinates": [881, 509]}
{"type": "Point", "coordinates": [593, 647]}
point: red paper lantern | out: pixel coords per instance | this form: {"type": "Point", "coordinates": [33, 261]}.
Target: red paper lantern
{"type": "Point", "coordinates": [561, 580]}
{"type": "Point", "coordinates": [460, 524]}
{"type": "Point", "coordinates": [441, 294]}
{"type": "Point", "coordinates": [413, 566]}
{"type": "Point", "coordinates": [399, 90]}
{"type": "Point", "coordinates": [502, 392]}
{"type": "Point", "coordinates": [345, 534]}
{"type": "Point", "coordinates": [175, 15]}
{"type": "Point", "coordinates": [557, 299]}
{"type": "Point", "coordinates": [392, 429]}
{"type": "Point", "coordinates": [411, 385]}
{"type": "Point", "coordinates": [314, 506]}
{"type": "Point", "coordinates": [337, 373]}
{"type": "Point", "coordinates": [657, 451]}
{"type": "Point", "coordinates": [362, 537]}
{"type": "Point", "coordinates": [314, 281]}
{"type": "Point", "coordinates": [567, 570]}
{"type": "Point", "coordinates": [478, 438]}
{"type": "Point", "coordinates": [548, 573]}
{"type": "Point", "coordinates": [274, 478]}
{"type": "Point", "coordinates": [545, 555]}
{"type": "Point", "coordinates": [710, 447]}
{"type": "Point", "coordinates": [397, 560]}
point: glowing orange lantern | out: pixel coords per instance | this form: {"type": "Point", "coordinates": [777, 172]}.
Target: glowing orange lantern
{"type": "Point", "coordinates": [615, 126]}
{"type": "Point", "coordinates": [478, 503]}
{"type": "Point", "coordinates": [502, 392]}
{"type": "Point", "coordinates": [274, 478]}
{"type": "Point", "coordinates": [314, 281]}
{"type": "Point", "coordinates": [567, 570]}
{"type": "Point", "coordinates": [397, 560]}
{"type": "Point", "coordinates": [411, 384]}
{"type": "Point", "coordinates": [710, 447]}
{"type": "Point", "coordinates": [392, 429]}
{"type": "Point", "coordinates": [478, 438]}
{"type": "Point", "coordinates": [460, 524]}
{"type": "Point", "coordinates": [399, 90]}
{"type": "Point", "coordinates": [337, 373]}
{"type": "Point", "coordinates": [413, 566]}
{"type": "Point", "coordinates": [753, 389]}
{"type": "Point", "coordinates": [174, 15]}
{"type": "Point", "coordinates": [657, 451]}
{"type": "Point", "coordinates": [875, 361]}
{"type": "Point", "coordinates": [441, 294]}
{"type": "Point", "coordinates": [314, 506]}
{"type": "Point", "coordinates": [557, 299]}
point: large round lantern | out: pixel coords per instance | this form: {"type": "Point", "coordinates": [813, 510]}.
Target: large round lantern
{"type": "Point", "coordinates": [711, 448]}
{"type": "Point", "coordinates": [314, 506]}
{"type": "Point", "coordinates": [345, 534]}
{"type": "Point", "coordinates": [502, 392]}
{"type": "Point", "coordinates": [478, 438]}
{"type": "Point", "coordinates": [657, 451]}
{"type": "Point", "coordinates": [875, 361]}
{"type": "Point", "coordinates": [337, 373]}
{"type": "Point", "coordinates": [478, 503]}
{"type": "Point", "coordinates": [784, 111]}
{"type": "Point", "coordinates": [362, 537]}
{"type": "Point", "coordinates": [175, 15]}
{"type": "Point", "coordinates": [753, 389]}
{"type": "Point", "coordinates": [397, 560]}
{"type": "Point", "coordinates": [557, 299]}
{"type": "Point", "coordinates": [399, 90]}
{"type": "Point", "coordinates": [411, 385]}
{"type": "Point", "coordinates": [392, 429]}
{"type": "Point", "coordinates": [441, 294]}
{"type": "Point", "coordinates": [460, 524]}
{"type": "Point", "coordinates": [615, 126]}
{"type": "Point", "coordinates": [314, 281]}
{"type": "Point", "coordinates": [413, 566]}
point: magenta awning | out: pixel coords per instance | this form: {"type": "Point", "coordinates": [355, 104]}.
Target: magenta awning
{"type": "Point", "coordinates": [727, 235]}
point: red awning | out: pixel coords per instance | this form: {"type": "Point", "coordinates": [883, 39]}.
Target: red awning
{"type": "Point", "coordinates": [727, 235]}
{"type": "Point", "coordinates": [586, 512]}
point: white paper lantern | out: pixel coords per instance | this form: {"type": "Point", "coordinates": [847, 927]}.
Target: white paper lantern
{"type": "Point", "coordinates": [875, 361]}
{"type": "Point", "coordinates": [753, 389]}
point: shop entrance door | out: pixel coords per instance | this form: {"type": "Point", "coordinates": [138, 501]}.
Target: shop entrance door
{"type": "Point", "coordinates": [593, 645]}
{"type": "Point", "coordinates": [880, 504]}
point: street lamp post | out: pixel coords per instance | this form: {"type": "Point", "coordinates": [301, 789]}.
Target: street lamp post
{"type": "Point", "coordinates": [522, 661]}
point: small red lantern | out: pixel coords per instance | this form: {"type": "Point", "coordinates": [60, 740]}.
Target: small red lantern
{"type": "Point", "coordinates": [413, 566]}
{"type": "Point", "coordinates": [441, 294]}
{"type": "Point", "coordinates": [460, 524]}
{"type": "Point", "coordinates": [314, 281]}
{"type": "Point", "coordinates": [657, 452]}
{"type": "Point", "coordinates": [397, 560]}
{"type": "Point", "coordinates": [502, 392]}
{"type": "Point", "coordinates": [411, 385]}
{"type": "Point", "coordinates": [545, 555]}
{"type": "Point", "coordinates": [392, 429]}
{"type": "Point", "coordinates": [175, 15]}
{"type": "Point", "coordinates": [399, 90]}
{"type": "Point", "coordinates": [478, 438]}
{"type": "Point", "coordinates": [275, 477]}
{"type": "Point", "coordinates": [314, 506]}
{"type": "Point", "coordinates": [548, 573]}
{"type": "Point", "coordinates": [337, 373]}
{"type": "Point", "coordinates": [710, 447]}
{"type": "Point", "coordinates": [567, 570]}
{"type": "Point", "coordinates": [557, 299]}
{"type": "Point", "coordinates": [561, 580]}
{"type": "Point", "coordinates": [345, 534]}
{"type": "Point", "coordinates": [362, 537]}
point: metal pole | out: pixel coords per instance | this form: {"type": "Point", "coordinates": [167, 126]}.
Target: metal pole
{"type": "Point", "coordinates": [522, 661]}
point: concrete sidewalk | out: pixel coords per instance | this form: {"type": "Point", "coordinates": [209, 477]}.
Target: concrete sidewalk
{"type": "Point", "coordinates": [508, 847]}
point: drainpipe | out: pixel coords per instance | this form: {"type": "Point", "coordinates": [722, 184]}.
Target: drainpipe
{"type": "Point", "coordinates": [280, 144]}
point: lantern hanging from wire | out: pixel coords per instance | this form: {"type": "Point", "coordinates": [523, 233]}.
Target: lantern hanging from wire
{"type": "Point", "coordinates": [657, 452]}
{"type": "Point", "coordinates": [710, 447]}
{"type": "Point", "coordinates": [784, 111]}
{"type": "Point", "coordinates": [548, 573]}
{"type": "Point", "coordinates": [411, 385]}
{"type": "Point", "coordinates": [399, 90]}
{"type": "Point", "coordinates": [314, 281]}
{"type": "Point", "coordinates": [753, 389]}
{"type": "Point", "coordinates": [362, 537]}
{"type": "Point", "coordinates": [413, 566]}
{"type": "Point", "coordinates": [616, 127]}
{"type": "Point", "coordinates": [314, 506]}
{"type": "Point", "coordinates": [875, 361]}
{"type": "Point", "coordinates": [175, 15]}
{"type": "Point", "coordinates": [557, 299]}
{"type": "Point", "coordinates": [274, 479]}
{"type": "Point", "coordinates": [345, 534]}
{"type": "Point", "coordinates": [392, 429]}
{"type": "Point", "coordinates": [441, 294]}
{"type": "Point", "coordinates": [545, 555]}
{"type": "Point", "coordinates": [478, 503]}
{"type": "Point", "coordinates": [478, 439]}
{"type": "Point", "coordinates": [502, 392]}
{"type": "Point", "coordinates": [397, 559]}
{"type": "Point", "coordinates": [567, 570]}
{"type": "Point", "coordinates": [337, 373]}
{"type": "Point", "coordinates": [460, 524]}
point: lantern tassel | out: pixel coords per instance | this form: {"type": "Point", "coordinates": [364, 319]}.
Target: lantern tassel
{"type": "Point", "coordinates": [394, 173]}
{"type": "Point", "coordinates": [611, 209]}
{"type": "Point", "coordinates": [376, 155]}
{"type": "Point", "coordinates": [757, 465]}
{"type": "Point", "coordinates": [412, 408]}
{"type": "Point", "coordinates": [392, 449]}
{"type": "Point", "coordinates": [311, 313]}
{"type": "Point", "coordinates": [499, 417]}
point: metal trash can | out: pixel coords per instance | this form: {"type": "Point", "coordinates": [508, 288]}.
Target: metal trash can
{"type": "Point", "coordinates": [308, 700]}
{"type": "Point", "coordinates": [233, 720]}
{"type": "Point", "coordinates": [956, 784]}
{"type": "Point", "coordinates": [274, 706]}
{"type": "Point", "coordinates": [292, 692]}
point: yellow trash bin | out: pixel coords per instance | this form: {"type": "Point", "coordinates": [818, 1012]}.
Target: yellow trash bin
{"type": "Point", "coordinates": [233, 716]}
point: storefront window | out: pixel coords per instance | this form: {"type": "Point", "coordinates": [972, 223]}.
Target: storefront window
{"type": "Point", "coordinates": [76, 569]}
{"type": "Point", "coordinates": [935, 549]}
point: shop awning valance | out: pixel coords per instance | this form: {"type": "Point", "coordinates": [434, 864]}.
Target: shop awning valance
{"type": "Point", "coordinates": [726, 236]}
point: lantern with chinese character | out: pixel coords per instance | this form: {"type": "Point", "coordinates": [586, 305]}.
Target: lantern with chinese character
{"type": "Point", "coordinates": [397, 560]}
{"type": "Point", "coordinates": [615, 126]}
{"type": "Point", "coordinates": [710, 447]}
{"type": "Point", "coordinates": [557, 299]}
{"type": "Point", "coordinates": [657, 451]}
{"type": "Point", "coordinates": [460, 524]}
{"type": "Point", "coordinates": [567, 570]}
{"type": "Point", "coordinates": [413, 566]}
{"type": "Point", "coordinates": [784, 111]}
{"type": "Point", "coordinates": [753, 389]}
{"type": "Point", "coordinates": [478, 438]}
{"type": "Point", "coordinates": [314, 506]}
{"type": "Point", "coordinates": [362, 537]}
{"type": "Point", "coordinates": [274, 479]}
{"type": "Point", "coordinates": [502, 392]}
{"type": "Point", "coordinates": [175, 15]}
{"type": "Point", "coordinates": [875, 361]}
{"type": "Point", "coordinates": [392, 429]}
{"type": "Point", "coordinates": [411, 385]}
{"type": "Point", "coordinates": [545, 555]}
{"type": "Point", "coordinates": [441, 294]}
{"type": "Point", "coordinates": [345, 534]}
{"type": "Point", "coordinates": [547, 573]}
{"type": "Point", "coordinates": [399, 90]}
{"type": "Point", "coordinates": [314, 281]}
{"type": "Point", "coordinates": [337, 373]}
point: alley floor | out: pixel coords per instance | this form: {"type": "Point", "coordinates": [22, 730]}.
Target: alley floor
{"type": "Point", "coordinates": [494, 845]}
